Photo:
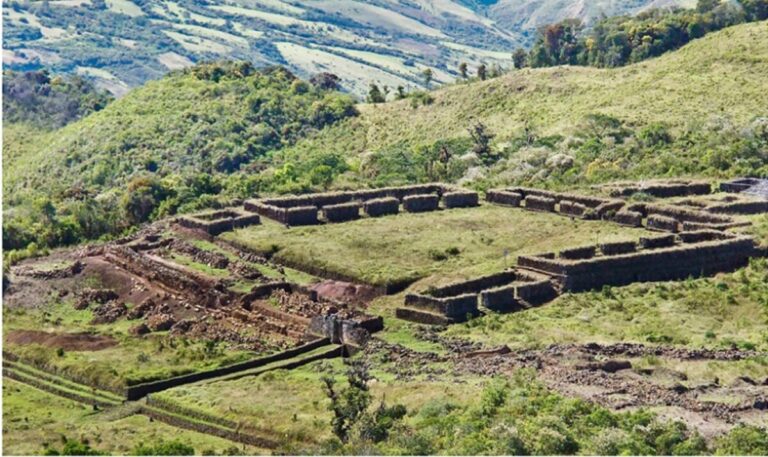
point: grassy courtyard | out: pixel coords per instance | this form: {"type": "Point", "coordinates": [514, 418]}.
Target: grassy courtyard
{"type": "Point", "coordinates": [453, 244]}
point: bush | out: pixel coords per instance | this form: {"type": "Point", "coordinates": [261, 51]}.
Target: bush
{"type": "Point", "coordinates": [174, 447]}
{"type": "Point", "coordinates": [743, 440]}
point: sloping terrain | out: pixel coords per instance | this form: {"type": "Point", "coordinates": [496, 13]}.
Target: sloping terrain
{"type": "Point", "coordinates": [719, 75]}
{"type": "Point", "coordinates": [121, 43]}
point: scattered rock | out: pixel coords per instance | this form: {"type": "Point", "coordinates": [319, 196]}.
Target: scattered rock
{"type": "Point", "coordinates": [142, 309]}
{"type": "Point", "coordinates": [99, 296]}
{"type": "Point", "coordinates": [109, 312]}
{"type": "Point", "coordinates": [609, 366]}
{"type": "Point", "coordinates": [140, 329]}
{"type": "Point", "coordinates": [160, 322]}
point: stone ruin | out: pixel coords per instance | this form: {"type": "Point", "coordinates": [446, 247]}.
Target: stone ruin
{"type": "Point", "coordinates": [660, 189]}
{"type": "Point", "coordinates": [508, 291]}
{"type": "Point", "coordinates": [215, 222]}
{"type": "Point", "coordinates": [654, 216]}
{"type": "Point", "coordinates": [572, 205]}
{"type": "Point", "coordinates": [663, 258]}
{"type": "Point", "coordinates": [757, 187]}
{"type": "Point", "coordinates": [313, 209]}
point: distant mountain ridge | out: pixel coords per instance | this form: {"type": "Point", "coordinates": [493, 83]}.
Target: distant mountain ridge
{"type": "Point", "coordinates": [123, 43]}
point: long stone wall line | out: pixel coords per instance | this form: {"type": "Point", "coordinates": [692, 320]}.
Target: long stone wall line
{"type": "Point", "coordinates": [692, 258]}
{"type": "Point", "coordinates": [208, 429]}
{"type": "Point", "coordinates": [141, 390]}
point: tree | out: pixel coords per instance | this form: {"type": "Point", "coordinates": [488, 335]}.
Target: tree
{"type": "Point", "coordinates": [705, 6]}
{"type": "Point", "coordinates": [400, 94]}
{"type": "Point", "coordinates": [349, 404]}
{"type": "Point", "coordinates": [144, 194]}
{"type": "Point", "coordinates": [350, 407]}
{"type": "Point", "coordinates": [520, 58]}
{"type": "Point", "coordinates": [375, 95]}
{"type": "Point", "coordinates": [482, 72]}
{"type": "Point", "coordinates": [463, 70]}
{"type": "Point", "coordinates": [482, 139]}
{"type": "Point", "coordinates": [325, 81]}
{"type": "Point", "coordinates": [427, 75]}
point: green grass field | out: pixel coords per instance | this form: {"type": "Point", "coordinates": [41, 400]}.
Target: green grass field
{"type": "Point", "coordinates": [130, 361]}
{"type": "Point", "coordinates": [446, 245]}
{"type": "Point", "coordinates": [33, 418]}
{"type": "Point", "coordinates": [301, 417]}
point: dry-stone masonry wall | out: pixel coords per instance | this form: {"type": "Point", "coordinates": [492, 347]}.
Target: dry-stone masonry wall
{"type": "Point", "coordinates": [652, 263]}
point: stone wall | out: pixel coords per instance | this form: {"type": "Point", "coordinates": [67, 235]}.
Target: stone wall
{"type": "Point", "coordinates": [664, 223]}
{"type": "Point", "coordinates": [420, 203]}
{"type": "Point", "coordinates": [661, 264]}
{"type": "Point", "coordinates": [297, 210]}
{"type": "Point", "coordinates": [475, 285]}
{"type": "Point", "coordinates": [460, 199]}
{"type": "Point", "coordinates": [686, 215]}
{"type": "Point", "coordinates": [629, 218]}
{"type": "Point", "coordinates": [133, 393]}
{"type": "Point", "coordinates": [738, 185]}
{"type": "Point", "coordinates": [655, 242]}
{"type": "Point", "coordinates": [540, 203]}
{"type": "Point", "coordinates": [570, 208]}
{"type": "Point", "coordinates": [586, 252]}
{"type": "Point", "coordinates": [742, 207]}
{"type": "Point", "coordinates": [506, 291]}
{"type": "Point", "coordinates": [503, 197]}
{"type": "Point", "coordinates": [667, 189]}
{"type": "Point", "coordinates": [381, 206]}
{"type": "Point", "coordinates": [622, 247]}
{"type": "Point", "coordinates": [219, 221]}
{"type": "Point", "coordinates": [342, 212]}
{"type": "Point", "coordinates": [456, 307]}
{"type": "Point", "coordinates": [301, 215]}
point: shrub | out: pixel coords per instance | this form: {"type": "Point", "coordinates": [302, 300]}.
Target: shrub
{"type": "Point", "coordinates": [174, 447]}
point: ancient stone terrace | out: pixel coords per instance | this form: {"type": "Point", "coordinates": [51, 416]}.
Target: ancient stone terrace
{"type": "Point", "coordinates": [215, 222]}
{"type": "Point", "coordinates": [573, 205]}
{"type": "Point", "coordinates": [752, 186]}
{"type": "Point", "coordinates": [663, 258]}
{"type": "Point", "coordinates": [671, 218]}
{"type": "Point", "coordinates": [508, 291]}
{"type": "Point", "coordinates": [659, 189]}
{"type": "Point", "coordinates": [345, 206]}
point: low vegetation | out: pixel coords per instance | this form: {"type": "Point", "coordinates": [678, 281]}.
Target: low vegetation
{"type": "Point", "coordinates": [36, 423]}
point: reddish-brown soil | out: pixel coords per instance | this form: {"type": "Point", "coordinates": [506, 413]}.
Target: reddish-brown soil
{"type": "Point", "coordinates": [344, 291]}
{"type": "Point", "coordinates": [66, 341]}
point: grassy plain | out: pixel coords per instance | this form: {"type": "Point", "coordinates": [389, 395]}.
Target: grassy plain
{"type": "Point", "coordinates": [446, 245]}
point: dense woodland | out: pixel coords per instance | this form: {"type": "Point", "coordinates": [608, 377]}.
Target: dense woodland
{"type": "Point", "coordinates": [621, 40]}
{"type": "Point", "coordinates": [49, 102]}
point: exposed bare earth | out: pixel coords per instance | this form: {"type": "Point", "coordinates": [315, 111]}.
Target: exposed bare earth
{"type": "Point", "coordinates": [66, 341]}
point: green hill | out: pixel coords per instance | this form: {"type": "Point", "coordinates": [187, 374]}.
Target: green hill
{"type": "Point", "coordinates": [171, 145]}
{"type": "Point", "coordinates": [681, 113]}
{"type": "Point", "coordinates": [196, 136]}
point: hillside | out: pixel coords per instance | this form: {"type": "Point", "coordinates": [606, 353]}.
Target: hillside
{"type": "Point", "coordinates": [696, 111]}
{"type": "Point", "coordinates": [122, 43]}
{"type": "Point", "coordinates": [666, 114]}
